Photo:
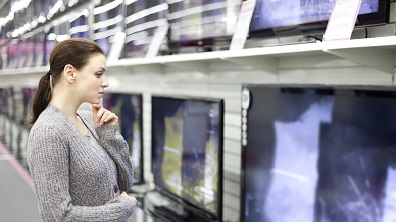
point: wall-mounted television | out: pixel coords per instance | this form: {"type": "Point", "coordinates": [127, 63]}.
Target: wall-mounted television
{"type": "Point", "coordinates": [318, 153]}
{"type": "Point", "coordinates": [306, 17]}
{"type": "Point", "coordinates": [202, 23]}
{"type": "Point", "coordinates": [187, 154]}
{"type": "Point", "coordinates": [128, 108]}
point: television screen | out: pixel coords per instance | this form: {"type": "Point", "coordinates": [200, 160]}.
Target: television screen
{"type": "Point", "coordinates": [79, 27]}
{"type": "Point", "coordinates": [196, 23]}
{"type": "Point", "coordinates": [50, 42]}
{"type": "Point", "coordinates": [19, 112]}
{"type": "Point", "coordinates": [28, 94]}
{"type": "Point", "coordinates": [187, 137]}
{"type": "Point", "coordinates": [108, 24]}
{"type": "Point", "coordinates": [318, 153]}
{"type": "Point", "coordinates": [11, 102]}
{"type": "Point", "coordinates": [4, 103]}
{"type": "Point", "coordinates": [128, 108]}
{"type": "Point", "coordinates": [283, 17]}
{"type": "Point", "coordinates": [143, 18]}
{"type": "Point", "coordinates": [13, 52]}
{"type": "Point", "coordinates": [30, 52]}
{"type": "Point", "coordinates": [39, 49]}
{"type": "Point", "coordinates": [23, 54]}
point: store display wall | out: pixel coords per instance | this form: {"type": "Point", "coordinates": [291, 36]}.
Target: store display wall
{"type": "Point", "coordinates": [225, 81]}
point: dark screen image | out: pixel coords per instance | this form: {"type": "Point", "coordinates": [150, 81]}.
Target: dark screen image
{"type": "Point", "coordinates": [319, 155]}
{"type": "Point", "coordinates": [128, 108]}
{"type": "Point", "coordinates": [186, 150]}
{"type": "Point", "coordinates": [286, 14]}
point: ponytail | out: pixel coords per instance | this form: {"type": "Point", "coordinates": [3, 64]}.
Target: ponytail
{"type": "Point", "coordinates": [41, 98]}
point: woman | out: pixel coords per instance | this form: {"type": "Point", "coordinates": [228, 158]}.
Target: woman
{"type": "Point", "coordinates": [79, 162]}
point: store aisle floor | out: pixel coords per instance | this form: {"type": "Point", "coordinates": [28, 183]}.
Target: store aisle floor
{"type": "Point", "coordinates": [17, 198]}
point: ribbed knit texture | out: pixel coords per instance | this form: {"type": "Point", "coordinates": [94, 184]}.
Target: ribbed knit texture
{"type": "Point", "coordinates": [74, 179]}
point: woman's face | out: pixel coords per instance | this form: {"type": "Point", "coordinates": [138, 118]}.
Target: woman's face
{"type": "Point", "coordinates": [92, 80]}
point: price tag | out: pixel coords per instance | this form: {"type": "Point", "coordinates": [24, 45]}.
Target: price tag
{"type": "Point", "coordinates": [242, 26]}
{"type": "Point", "coordinates": [342, 20]}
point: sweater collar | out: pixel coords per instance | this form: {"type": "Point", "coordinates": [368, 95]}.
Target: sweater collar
{"type": "Point", "coordinates": [64, 119]}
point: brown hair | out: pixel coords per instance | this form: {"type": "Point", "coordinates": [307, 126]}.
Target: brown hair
{"type": "Point", "coordinates": [75, 52]}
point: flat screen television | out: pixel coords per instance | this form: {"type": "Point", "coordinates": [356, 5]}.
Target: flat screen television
{"type": "Point", "coordinates": [28, 94]}
{"type": "Point", "coordinates": [128, 108]}
{"type": "Point", "coordinates": [304, 17]}
{"type": "Point", "coordinates": [13, 52]}
{"type": "Point", "coordinates": [79, 27]}
{"type": "Point", "coordinates": [4, 102]}
{"type": "Point", "coordinates": [187, 153]}
{"type": "Point", "coordinates": [39, 48]}
{"type": "Point", "coordinates": [318, 153]}
{"type": "Point", "coordinates": [11, 102]}
{"type": "Point", "coordinates": [143, 18]}
{"type": "Point", "coordinates": [50, 42]}
{"type": "Point", "coordinates": [202, 23]}
{"type": "Point", "coordinates": [19, 105]}
{"type": "Point", "coordinates": [108, 23]}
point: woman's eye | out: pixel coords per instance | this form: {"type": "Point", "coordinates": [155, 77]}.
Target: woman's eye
{"type": "Point", "coordinates": [99, 74]}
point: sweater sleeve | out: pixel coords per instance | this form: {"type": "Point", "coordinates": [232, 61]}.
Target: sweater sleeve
{"type": "Point", "coordinates": [48, 159]}
{"type": "Point", "coordinates": [118, 149]}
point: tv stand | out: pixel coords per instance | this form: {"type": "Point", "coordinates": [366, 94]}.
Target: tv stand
{"type": "Point", "coordinates": [164, 213]}
{"type": "Point", "coordinates": [282, 41]}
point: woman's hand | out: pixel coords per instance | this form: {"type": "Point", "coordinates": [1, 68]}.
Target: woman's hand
{"type": "Point", "coordinates": [133, 199]}
{"type": "Point", "coordinates": [102, 116]}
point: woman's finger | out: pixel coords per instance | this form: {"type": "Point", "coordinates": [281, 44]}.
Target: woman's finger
{"type": "Point", "coordinates": [105, 117]}
{"type": "Point", "coordinates": [111, 119]}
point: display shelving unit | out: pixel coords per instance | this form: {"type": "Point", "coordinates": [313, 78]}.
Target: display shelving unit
{"type": "Point", "coordinates": [377, 53]}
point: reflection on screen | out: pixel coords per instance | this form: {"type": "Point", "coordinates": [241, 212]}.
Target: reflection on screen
{"type": "Point", "coordinates": [319, 157]}
{"type": "Point", "coordinates": [143, 18]}
{"type": "Point", "coordinates": [107, 25]}
{"type": "Point", "coordinates": [128, 108]}
{"type": "Point", "coordinates": [275, 14]}
{"type": "Point", "coordinates": [186, 149]}
{"type": "Point", "coordinates": [196, 20]}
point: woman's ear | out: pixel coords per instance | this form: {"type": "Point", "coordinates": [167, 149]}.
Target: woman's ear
{"type": "Point", "coordinates": [68, 71]}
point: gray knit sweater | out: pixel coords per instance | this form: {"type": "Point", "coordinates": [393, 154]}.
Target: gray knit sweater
{"type": "Point", "coordinates": [74, 179]}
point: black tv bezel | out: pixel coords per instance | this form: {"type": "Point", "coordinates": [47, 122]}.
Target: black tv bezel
{"type": "Point", "coordinates": [141, 159]}
{"type": "Point", "coordinates": [365, 20]}
{"type": "Point", "coordinates": [321, 89]}
{"type": "Point", "coordinates": [199, 210]}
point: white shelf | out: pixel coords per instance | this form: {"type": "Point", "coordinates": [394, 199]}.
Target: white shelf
{"type": "Point", "coordinates": [24, 72]}
{"type": "Point", "coordinates": [377, 53]}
